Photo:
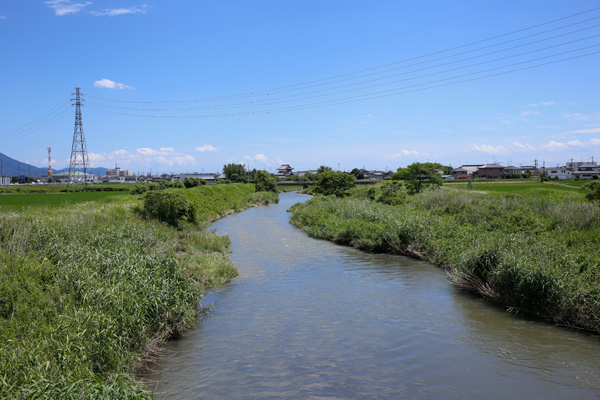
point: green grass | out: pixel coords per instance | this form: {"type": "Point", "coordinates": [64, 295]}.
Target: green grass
{"type": "Point", "coordinates": [89, 291]}
{"type": "Point", "coordinates": [516, 187]}
{"type": "Point", "coordinates": [19, 201]}
{"type": "Point", "coordinates": [534, 251]}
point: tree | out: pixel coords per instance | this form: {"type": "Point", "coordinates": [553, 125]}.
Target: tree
{"type": "Point", "coordinates": [357, 173]}
{"type": "Point", "coordinates": [417, 176]}
{"type": "Point", "coordinates": [235, 172]}
{"type": "Point", "coordinates": [165, 177]}
{"type": "Point", "coordinates": [193, 182]}
{"type": "Point", "coordinates": [392, 193]}
{"type": "Point", "coordinates": [334, 183]}
{"type": "Point", "coordinates": [594, 194]}
{"type": "Point", "coordinates": [323, 168]}
{"type": "Point", "coordinates": [265, 182]}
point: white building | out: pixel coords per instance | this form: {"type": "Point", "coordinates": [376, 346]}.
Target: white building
{"type": "Point", "coordinates": [207, 176]}
{"type": "Point", "coordinates": [560, 173]}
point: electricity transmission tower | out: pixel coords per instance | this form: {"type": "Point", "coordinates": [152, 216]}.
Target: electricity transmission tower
{"type": "Point", "coordinates": [79, 157]}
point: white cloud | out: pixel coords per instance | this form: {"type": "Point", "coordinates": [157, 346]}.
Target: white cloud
{"type": "Point", "coordinates": [206, 147]}
{"type": "Point", "coordinates": [592, 130]}
{"type": "Point", "coordinates": [2, 17]}
{"type": "Point", "coordinates": [107, 83]}
{"type": "Point", "coordinates": [111, 12]}
{"type": "Point", "coordinates": [264, 159]}
{"type": "Point", "coordinates": [548, 103]}
{"type": "Point", "coordinates": [486, 148]}
{"type": "Point", "coordinates": [574, 115]}
{"type": "Point", "coordinates": [517, 146]}
{"type": "Point", "coordinates": [146, 151]}
{"type": "Point", "coordinates": [506, 122]}
{"type": "Point", "coordinates": [167, 149]}
{"type": "Point", "coordinates": [594, 142]}
{"type": "Point", "coordinates": [575, 143]}
{"type": "Point", "coordinates": [64, 7]}
{"type": "Point", "coordinates": [403, 153]}
{"type": "Point", "coordinates": [529, 112]}
{"type": "Point", "coordinates": [94, 158]}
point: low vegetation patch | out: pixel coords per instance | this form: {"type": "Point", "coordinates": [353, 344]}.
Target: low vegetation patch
{"type": "Point", "coordinates": [535, 252]}
{"type": "Point", "coordinates": [89, 291]}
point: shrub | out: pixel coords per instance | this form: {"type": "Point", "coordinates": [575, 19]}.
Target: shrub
{"type": "Point", "coordinates": [193, 182]}
{"type": "Point", "coordinates": [170, 207]}
{"type": "Point", "coordinates": [334, 183]}
{"type": "Point", "coordinates": [265, 182]}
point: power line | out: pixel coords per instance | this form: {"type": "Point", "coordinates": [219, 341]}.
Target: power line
{"type": "Point", "coordinates": [330, 91]}
{"type": "Point", "coordinates": [323, 80]}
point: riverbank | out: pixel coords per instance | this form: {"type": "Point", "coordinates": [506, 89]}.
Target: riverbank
{"type": "Point", "coordinates": [90, 291]}
{"type": "Point", "coordinates": [534, 252]}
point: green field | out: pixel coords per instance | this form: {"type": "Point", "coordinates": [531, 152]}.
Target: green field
{"type": "Point", "coordinates": [19, 201]}
{"type": "Point", "coordinates": [519, 187]}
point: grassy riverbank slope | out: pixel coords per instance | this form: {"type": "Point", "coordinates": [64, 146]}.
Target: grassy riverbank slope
{"type": "Point", "coordinates": [89, 291]}
{"type": "Point", "coordinates": [535, 251]}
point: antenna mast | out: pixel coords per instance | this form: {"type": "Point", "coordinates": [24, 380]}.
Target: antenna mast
{"type": "Point", "coordinates": [79, 156]}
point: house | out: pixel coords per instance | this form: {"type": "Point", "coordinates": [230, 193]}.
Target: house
{"type": "Point", "coordinates": [585, 170]}
{"type": "Point", "coordinates": [209, 177]}
{"type": "Point", "coordinates": [559, 173]}
{"type": "Point", "coordinates": [461, 173]}
{"type": "Point", "coordinates": [513, 171]}
{"type": "Point", "coordinates": [284, 171]}
{"type": "Point", "coordinates": [491, 171]}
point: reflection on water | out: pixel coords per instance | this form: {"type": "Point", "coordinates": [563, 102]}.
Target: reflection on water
{"type": "Point", "coordinates": [309, 319]}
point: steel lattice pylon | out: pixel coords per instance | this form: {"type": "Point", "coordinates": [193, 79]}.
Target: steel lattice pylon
{"type": "Point", "coordinates": [79, 157]}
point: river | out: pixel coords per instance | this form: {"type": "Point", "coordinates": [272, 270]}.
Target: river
{"type": "Point", "coordinates": [307, 319]}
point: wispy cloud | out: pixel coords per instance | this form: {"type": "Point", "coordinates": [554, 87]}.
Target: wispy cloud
{"type": "Point", "coordinates": [264, 159]}
{"type": "Point", "coordinates": [206, 147]}
{"type": "Point", "coordinates": [108, 84]}
{"type": "Point", "coordinates": [2, 17]}
{"type": "Point", "coordinates": [164, 156]}
{"type": "Point", "coordinates": [65, 7]}
{"type": "Point", "coordinates": [554, 145]}
{"type": "Point", "coordinates": [489, 149]}
{"type": "Point", "coordinates": [403, 153]}
{"type": "Point", "coordinates": [591, 130]}
{"type": "Point", "coordinates": [111, 12]}
{"type": "Point", "coordinates": [529, 112]}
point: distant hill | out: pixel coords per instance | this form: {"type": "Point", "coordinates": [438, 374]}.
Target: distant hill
{"type": "Point", "coordinates": [12, 167]}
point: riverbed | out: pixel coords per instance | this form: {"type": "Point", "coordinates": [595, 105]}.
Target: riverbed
{"type": "Point", "coordinates": [308, 319]}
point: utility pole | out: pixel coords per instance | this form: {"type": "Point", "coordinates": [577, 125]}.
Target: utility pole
{"type": "Point", "coordinates": [79, 156]}
{"type": "Point", "coordinates": [50, 173]}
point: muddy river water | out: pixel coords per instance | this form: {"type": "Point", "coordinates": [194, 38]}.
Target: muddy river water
{"type": "Point", "coordinates": [307, 319]}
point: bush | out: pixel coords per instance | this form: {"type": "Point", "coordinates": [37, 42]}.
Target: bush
{"type": "Point", "coordinates": [170, 207]}
{"type": "Point", "coordinates": [265, 182]}
{"type": "Point", "coordinates": [193, 182]}
{"type": "Point", "coordinates": [334, 183]}
{"type": "Point", "coordinates": [393, 193]}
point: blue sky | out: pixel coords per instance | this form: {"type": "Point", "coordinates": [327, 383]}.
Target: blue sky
{"type": "Point", "coordinates": [190, 85]}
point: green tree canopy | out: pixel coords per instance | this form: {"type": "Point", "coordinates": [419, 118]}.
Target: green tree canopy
{"type": "Point", "coordinates": [323, 168]}
{"type": "Point", "coordinates": [357, 173]}
{"type": "Point", "coordinates": [334, 183]}
{"type": "Point", "coordinates": [417, 176]}
{"type": "Point", "coordinates": [235, 172]}
{"type": "Point", "coordinates": [265, 182]}
{"type": "Point", "coordinates": [594, 194]}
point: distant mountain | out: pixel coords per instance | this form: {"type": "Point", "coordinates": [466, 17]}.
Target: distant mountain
{"type": "Point", "coordinates": [12, 167]}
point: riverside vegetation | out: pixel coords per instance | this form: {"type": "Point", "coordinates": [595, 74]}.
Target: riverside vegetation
{"type": "Point", "coordinates": [90, 291]}
{"type": "Point", "coordinates": [535, 251]}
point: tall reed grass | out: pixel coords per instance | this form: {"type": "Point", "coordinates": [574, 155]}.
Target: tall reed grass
{"type": "Point", "coordinates": [536, 254]}
{"type": "Point", "coordinates": [88, 292]}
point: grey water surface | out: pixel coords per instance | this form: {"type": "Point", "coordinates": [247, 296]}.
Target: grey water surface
{"type": "Point", "coordinates": [307, 319]}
